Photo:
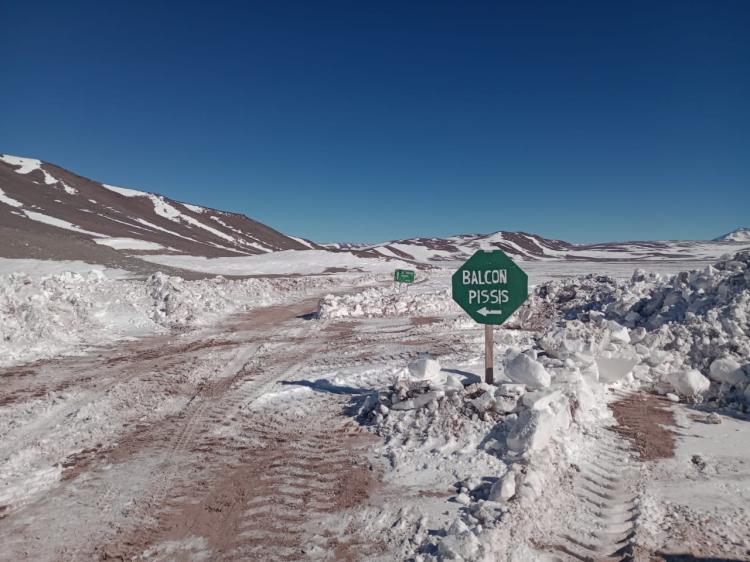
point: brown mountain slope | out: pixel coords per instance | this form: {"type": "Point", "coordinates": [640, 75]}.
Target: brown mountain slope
{"type": "Point", "coordinates": [52, 213]}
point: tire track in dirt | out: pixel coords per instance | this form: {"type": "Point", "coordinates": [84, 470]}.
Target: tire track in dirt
{"type": "Point", "coordinates": [223, 477]}
{"type": "Point", "coordinates": [243, 510]}
{"type": "Point", "coordinates": [606, 486]}
{"type": "Point", "coordinates": [608, 511]}
{"type": "Point", "coordinates": [87, 484]}
{"type": "Point", "coordinates": [274, 471]}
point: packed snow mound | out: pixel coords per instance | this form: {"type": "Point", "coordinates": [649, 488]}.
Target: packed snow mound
{"type": "Point", "coordinates": [677, 333]}
{"type": "Point", "coordinates": [686, 336]}
{"type": "Point", "coordinates": [42, 317]}
{"type": "Point", "coordinates": [386, 302]}
{"type": "Point", "coordinates": [700, 316]}
{"type": "Point", "coordinates": [500, 444]}
{"type": "Point", "coordinates": [574, 298]}
{"type": "Point", "coordinates": [737, 235]}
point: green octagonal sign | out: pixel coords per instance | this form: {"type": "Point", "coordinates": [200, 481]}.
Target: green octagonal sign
{"type": "Point", "coordinates": [490, 287]}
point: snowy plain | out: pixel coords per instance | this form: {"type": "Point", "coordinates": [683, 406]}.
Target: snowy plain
{"type": "Point", "coordinates": [468, 471]}
{"type": "Point", "coordinates": [288, 262]}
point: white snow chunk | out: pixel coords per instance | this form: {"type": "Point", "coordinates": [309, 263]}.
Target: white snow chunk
{"type": "Point", "coordinates": [525, 370]}
{"type": "Point", "coordinates": [68, 189]}
{"type": "Point", "coordinates": [532, 431]}
{"type": "Point", "coordinates": [618, 333]}
{"type": "Point", "coordinates": [453, 384]}
{"type": "Point", "coordinates": [504, 489]}
{"type": "Point", "coordinates": [689, 383]}
{"type": "Point", "coordinates": [510, 389]}
{"type": "Point", "coordinates": [484, 402]}
{"type": "Point", "coordinates": [461, 546]}
{"type": "Point", "coordinates": [426, 369]}
{"type": "Point", "coordinates": [540, 399]}
{"type": "Point", "coordinates": [419, 402]}
{"type": "Point", "coordinates": [615, 368]}
{"type": "Point", "coordinates": [727, 370]}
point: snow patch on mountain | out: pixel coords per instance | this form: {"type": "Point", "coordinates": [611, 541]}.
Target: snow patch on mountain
{"type": "Point", "coordinates": [46, 219]}
{"type": "Point", "coordinates": [26, 165]}
{"type": "Point", "coordinates": [194, 208]}
{"type": "Point", "coordinates": [129, 244]}
{"type": "Point", "coordinates": [9, 200]}
{"type": "Point", "coordinates": [737, 235]}
{"type": "Point", "coordinates": [125, 191]}
{"type": "Point", "coordinates": [69, 190]}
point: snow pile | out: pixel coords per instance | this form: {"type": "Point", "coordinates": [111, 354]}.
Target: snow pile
{"type": "Point", "coordinates": [500, 443]}
{"type": "Point", "coordinates": [387, 302]}
{"type": "Point", "coordinates": [675, 334]}
{"type": "Point", "coordinates": [690, 330]}
{"type": "Point", "coordinates": [63, 313]}
{"type": "Point", "coordinates": [686, 335]}
{"type": "Point", "coordinates": [575, 297]}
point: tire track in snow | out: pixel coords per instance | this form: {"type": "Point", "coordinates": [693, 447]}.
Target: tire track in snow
{"type": "Point", "coordinates": [606, 510]}
{"type": "Point", "coordinates": [273, 471]}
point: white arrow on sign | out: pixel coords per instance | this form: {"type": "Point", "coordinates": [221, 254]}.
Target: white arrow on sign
{"type": "Point", "coordinates": [484, 311]}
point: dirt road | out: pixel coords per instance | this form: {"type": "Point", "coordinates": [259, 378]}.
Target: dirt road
{"type": "Point", "coordinates": [167, 448]}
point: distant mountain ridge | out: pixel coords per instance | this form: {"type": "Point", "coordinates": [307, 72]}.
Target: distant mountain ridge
{"type": "Point", "coordinates": [737, 235]}
{"type": "Point", "coordinates": [46, 206]}
{"type": "Point", "coordinates": [527, 246]}
{"type": "Point", "coordinates": [48, 212]}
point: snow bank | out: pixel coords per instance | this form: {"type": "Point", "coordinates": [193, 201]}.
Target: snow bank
{"type": "Point", "coordinates": [43, 317]}
{"type": "Point", "coordinates": [379, 302]}
{"type": "Point", "coordinates": [500, 443]}
{"type": "Point", "coordinates": [42, 268]}
{"type": "Point", "coordinates": [686, 335]}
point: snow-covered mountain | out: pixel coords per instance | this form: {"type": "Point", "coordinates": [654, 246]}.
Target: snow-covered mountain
{"type": "Point", "coordinates": [737, 235]}
{"type": "Point", "coordinates": [526, 246]}
{"type": "Point", "coordinates": [49, 212]}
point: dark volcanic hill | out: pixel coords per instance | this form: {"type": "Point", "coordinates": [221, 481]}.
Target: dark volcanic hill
{"type": "Point", "coordinates": [48, 212]}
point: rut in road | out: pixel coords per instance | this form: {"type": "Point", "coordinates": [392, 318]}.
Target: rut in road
{"type": "Point", "coordinates": [255, 483]}
{"type": "Point", "coordinates": [269, 502]}
{"type": "Point", "coordinates": [602, 526]}
{"type": "Point", "coordinates": [227, 474]}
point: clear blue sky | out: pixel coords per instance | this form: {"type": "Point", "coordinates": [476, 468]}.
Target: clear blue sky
{"type": "Point", "coordinates": [372, 120]}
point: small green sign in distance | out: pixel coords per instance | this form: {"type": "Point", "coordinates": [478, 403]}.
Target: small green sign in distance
{"type": "Point", "coordinates": [404, 276]}
{"type": "Point", "coordinates": [490, 287]}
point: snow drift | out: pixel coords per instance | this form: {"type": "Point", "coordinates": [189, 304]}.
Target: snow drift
{"type": "Point", "coordinates": [43, 317]}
